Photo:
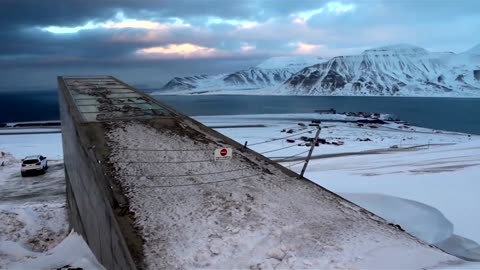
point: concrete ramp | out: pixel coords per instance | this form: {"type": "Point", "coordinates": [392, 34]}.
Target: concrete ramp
{"type": "Point", "coordinates": [146, 193]}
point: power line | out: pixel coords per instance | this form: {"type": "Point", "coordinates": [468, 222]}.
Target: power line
{"type": "Point", "coordinates": [289, 157]}
{"type": "Point", "coordinates": [296, 155]}
{"type": "Point", "coordinates": [272, 140]}
{"type": "Point", "coordinates": [294, 164]}
{"type": "Point", "coordinates": [184, 175]}
{"type": "Point", "coordinates": [204, 183]}
{"type": "Point", "coordinates": [274, 150]}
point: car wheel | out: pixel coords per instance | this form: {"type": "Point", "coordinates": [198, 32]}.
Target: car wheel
{"type": "Point", "coordinates": [23, 174]}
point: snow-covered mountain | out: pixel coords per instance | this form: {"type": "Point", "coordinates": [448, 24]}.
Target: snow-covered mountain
{"type": "Point", "coordinates": [396, 70]}
{"type": "Point", "coordinates": [272, 72]}
{"type": "Point", "coordinates": [474, 51]}
{"type": "Point", "coordinates": [403, 70]}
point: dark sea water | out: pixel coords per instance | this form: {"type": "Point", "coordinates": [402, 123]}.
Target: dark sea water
{"type": "Point", "coordinates": [454, 114]}
{"type": "Point", "coordinates": [27, 106]}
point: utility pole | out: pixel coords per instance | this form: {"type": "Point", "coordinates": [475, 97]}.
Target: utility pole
{"type": "Point", "coordinates": [310, 152]}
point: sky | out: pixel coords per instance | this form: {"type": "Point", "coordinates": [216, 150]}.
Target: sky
{"type": "Point", "coordinates": [147, 42]}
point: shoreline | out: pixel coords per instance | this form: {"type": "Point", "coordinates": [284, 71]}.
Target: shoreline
{"type": "Point", "coordinates": [239, 93]}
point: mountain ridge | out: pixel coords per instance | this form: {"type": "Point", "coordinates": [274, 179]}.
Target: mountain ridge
{"type": "Point", "coordinates": [474, 50]}
{"type": "Point", "coordinates": [393, 70]}
{"type": "Point", "coordinates": [270, 72]}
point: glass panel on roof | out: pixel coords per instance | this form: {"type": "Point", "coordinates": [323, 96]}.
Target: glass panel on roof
{"type": "Point", "coordinates": [124, 95]}
{"type": "Point", "coordinates": [88, 109]}
{"type": "Point", "coordinates": [102, 99]}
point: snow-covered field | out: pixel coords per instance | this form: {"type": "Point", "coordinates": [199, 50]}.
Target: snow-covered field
{"type": "Point", "coordinates": [427, 183]}
{"type": "Point", "coordinates": [244, 215]}
{"type": "Point", "coordinates": [354, 137]}
{"type": "Point", "coordinates": [423, 180]}
{"type": "Point", "coordinates": [34, 232]}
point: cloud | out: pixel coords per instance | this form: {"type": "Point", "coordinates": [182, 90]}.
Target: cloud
{"type": "Point", "coordinates": [121, 30]}
{"type": "Point", "coordinates": [339, 7]}
{"type": "Point", "coordinates": [247, 47]}
{"type": "Point", "coordinates": [334, 7]}
{"type": "Point", "coordinates": [185, 50]}
{"type": "Point", "coordinates": [119, 22]}
{"type": "Point", "coordinates": [69, 30]}
{"type": "Point", "coordinates": [309, 49]}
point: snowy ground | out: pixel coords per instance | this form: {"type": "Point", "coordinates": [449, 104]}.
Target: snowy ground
{"type": "Point", "coordinates": [239, 215]}
{"type": "Point", "coordinates": [430, 190]}
{"type": "Point", "coordinates": [428, 183]}
{"type": "Point", "coordinates": [354, 137]}
{"type": "Point", "coordinates": [33, 221]}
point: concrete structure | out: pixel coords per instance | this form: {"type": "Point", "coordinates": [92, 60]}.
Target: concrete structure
{"type": "Point", "coordinates": [97, 210]}
{"type": "Point", "coordinates": [145, 192]}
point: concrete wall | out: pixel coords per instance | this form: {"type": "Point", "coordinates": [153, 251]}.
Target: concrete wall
{"type": "Point", "coordinates": [90, 197]}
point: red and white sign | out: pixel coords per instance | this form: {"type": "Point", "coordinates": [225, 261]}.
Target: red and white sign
{"type": "Point", "coordinates": [223, 153]}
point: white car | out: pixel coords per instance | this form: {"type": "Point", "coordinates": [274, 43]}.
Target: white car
{"type": "Point", "coordinates": [34, 164]}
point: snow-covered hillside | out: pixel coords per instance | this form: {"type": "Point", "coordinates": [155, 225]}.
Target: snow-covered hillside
{"type": "Point", "coordinates": [475, 50]}
{"type": "Point", "coordinates": [273, 72]}
{"type": "Point", "coordinates": [398, 70]}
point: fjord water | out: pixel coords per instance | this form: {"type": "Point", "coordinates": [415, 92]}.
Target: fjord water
{"type": "Point", "coordinates": [24, 106]}
{"type": "Point", "coordinates": [453, 114]}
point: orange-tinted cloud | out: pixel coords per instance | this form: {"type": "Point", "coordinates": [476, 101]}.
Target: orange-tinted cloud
{"type": "Point", "coordinates": [306, 48]}
{"type": "Point", "coordinates": [186, 50]}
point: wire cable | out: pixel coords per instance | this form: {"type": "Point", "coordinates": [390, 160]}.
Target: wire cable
{"type": "Point", "coordinates": [299, 154]}
{"type": "Point", "coordinates": [294, 164]}
{"type": "Point", "coordinates": [164, 162]}
{"type": "Point", "coordinates": [276, 139]}
{"type": "Point", "coordinates": [184, 175]}
{"type": "Point", "coordinates": [164, 150]}
{"type": "Point", "coordinates": [203, 183]}
{"type": "Point", "coordinates": [274, 150]}
{"type": "Point", "coordinates": [289, 157]}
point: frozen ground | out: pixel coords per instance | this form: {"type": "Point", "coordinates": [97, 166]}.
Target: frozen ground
{"type": "Point", "coordinates": [354, 137]}
{"type": "Point", "coordinates": [239, 215]}
{"type": "Point", "coordinates": [430, 190]}
{"type": "Point", "coordinates": [33, 222]}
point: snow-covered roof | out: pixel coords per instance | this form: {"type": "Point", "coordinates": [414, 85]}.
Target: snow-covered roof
{"type": "Point", "coordinates": [193, 212]}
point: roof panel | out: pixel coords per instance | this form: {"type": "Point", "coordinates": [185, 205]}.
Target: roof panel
{"type": "Point", "coordinates": [104, 98]}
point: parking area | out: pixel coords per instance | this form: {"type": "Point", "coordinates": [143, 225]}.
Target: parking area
{"type": "Point", "coordinates": [46, 186]}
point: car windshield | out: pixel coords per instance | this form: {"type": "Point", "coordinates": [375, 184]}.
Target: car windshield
{"type": "Point", "coordinates": [30, 161]}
